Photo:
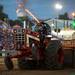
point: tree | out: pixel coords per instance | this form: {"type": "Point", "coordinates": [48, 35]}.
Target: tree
{"type": "Point", "coordinates": [11, 22]}
{"type": "Point", "coordinates": [64, 16]}
{"type": "Point", "coordinates": [15, 22]}
{"type": "Point", "coordinates": [18, 22]}
{"type": "Point", "coordinates": [3, 15]}
{"type": "Point", "coordinates": [25, 18]}
{"type": "Point", "coordinates": [1, 8]}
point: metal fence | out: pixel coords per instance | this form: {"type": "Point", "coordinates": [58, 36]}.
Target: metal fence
{"type": "Point", "coordinates": [56, 23]}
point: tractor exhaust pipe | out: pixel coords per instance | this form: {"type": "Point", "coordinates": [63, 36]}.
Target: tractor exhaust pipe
{"type": "Point", "coordinates": [28, 12]}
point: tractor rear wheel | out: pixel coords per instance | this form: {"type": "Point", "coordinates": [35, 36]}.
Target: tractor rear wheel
{"type": "Point", "coordinates": [51, 52]}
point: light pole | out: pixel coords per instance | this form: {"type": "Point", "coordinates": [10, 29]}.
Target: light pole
{"type": "Point", "coordinates": [58, 7]}
{"type": "Point", "coordinates": [73, 14]}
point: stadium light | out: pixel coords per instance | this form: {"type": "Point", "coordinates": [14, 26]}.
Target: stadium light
{"type": "Point", "coordinates": [58, 6]}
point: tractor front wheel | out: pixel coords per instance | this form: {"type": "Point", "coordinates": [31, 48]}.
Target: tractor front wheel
{"type": "Point", "coordinates": [8, 63]}
{"type": "Point", "coordinates": [25, 64]}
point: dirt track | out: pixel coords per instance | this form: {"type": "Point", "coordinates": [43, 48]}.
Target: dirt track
{"type": "Point", "coordinates": [38, 72]}
{"type": "Point", "coordinates": [16, 71]}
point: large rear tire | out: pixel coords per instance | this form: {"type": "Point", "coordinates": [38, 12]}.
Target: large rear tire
{"type": "Point", "coordinates": [51, 60]}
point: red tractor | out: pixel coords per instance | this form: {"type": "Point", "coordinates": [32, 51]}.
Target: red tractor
{"type": "Point", "coordinates": [35, 49]}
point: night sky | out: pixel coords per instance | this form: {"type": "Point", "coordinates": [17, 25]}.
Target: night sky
{"type": "Point", "coordinates": [43, 9]}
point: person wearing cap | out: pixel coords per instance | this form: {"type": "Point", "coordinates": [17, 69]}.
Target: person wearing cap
{"type": "Point", "coordinates": [43, 36]}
